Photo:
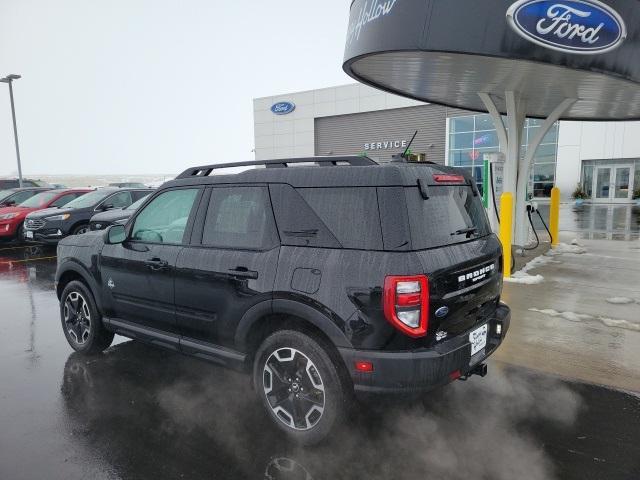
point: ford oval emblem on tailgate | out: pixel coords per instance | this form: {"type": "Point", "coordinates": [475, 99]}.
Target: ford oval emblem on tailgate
{"type": "Point", "coordinates": [442, 312]}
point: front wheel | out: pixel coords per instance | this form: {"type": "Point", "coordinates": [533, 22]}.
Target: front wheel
{"type": "Point", "coordinates": [300, 386]}
{"type": "Point", "coordinates": [80, 229]}
{"type": "Point", "coordinates": [81, 322]}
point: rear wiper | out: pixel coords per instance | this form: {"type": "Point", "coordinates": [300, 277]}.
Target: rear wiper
{"type": "Point", "coordinates": [468, 231]}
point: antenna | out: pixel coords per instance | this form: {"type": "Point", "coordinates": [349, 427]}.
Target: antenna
{"type": "Point", "coordinates": [404, 154]}
{"type": "Point", "coordinates": [402, 157]}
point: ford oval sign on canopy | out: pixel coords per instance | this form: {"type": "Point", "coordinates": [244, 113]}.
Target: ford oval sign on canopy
{"type": "Point", "coordinates": [446, 52]}
{"type": "Point", "coordinates": [282, 108]}
{"type": "Point", "coordinates": [586, 27]}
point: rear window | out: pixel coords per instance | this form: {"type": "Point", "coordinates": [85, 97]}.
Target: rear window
{"type": "Point", "coordinates": [351, 214]}
{"type": "Point", "coordinates": [451, 214]}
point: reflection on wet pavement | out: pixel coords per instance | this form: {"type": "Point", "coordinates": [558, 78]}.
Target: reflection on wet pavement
{"type": "Point", "coordinates": [596, 221]}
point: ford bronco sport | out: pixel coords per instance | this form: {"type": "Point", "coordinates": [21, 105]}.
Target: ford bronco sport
{"type": "Point", "coordinates": [322, 277]}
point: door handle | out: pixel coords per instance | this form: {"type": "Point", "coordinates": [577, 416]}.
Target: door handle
{"type": "Point", "coordinates": [156, 264]}
{"type": "Point", "coordinates": [244, 272]}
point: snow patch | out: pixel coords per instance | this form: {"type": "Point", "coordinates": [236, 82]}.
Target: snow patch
{"type": "Point", "coordinates": [565, 248]}
{"type": "Point", "coordinates": [620, 300]}
{"type": "Point", "coordinates": [612, 322]}
{"type": "Point", "coordinates": [524, 278]}
{"type": "Point", "coordinates": [578, 317]}
{"type": "Point", "coordinates": [571, 316]}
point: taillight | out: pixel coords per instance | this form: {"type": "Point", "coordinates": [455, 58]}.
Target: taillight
{"type": "Point", "coordinates": [448, 178]}
{"type": "Point", "coordinates": [406, 303]}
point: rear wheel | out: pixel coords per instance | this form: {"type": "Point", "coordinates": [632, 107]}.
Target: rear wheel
{"type": "Point", "coordinates": [299, 385]}
{"type": "Point", "coordinates": [81, 322]}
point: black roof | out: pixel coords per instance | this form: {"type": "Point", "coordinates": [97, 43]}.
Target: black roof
{"type": "Point", "coordinates": [345, 171]}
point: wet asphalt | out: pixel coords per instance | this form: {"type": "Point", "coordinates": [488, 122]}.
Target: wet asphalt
{"type": "Point", "coordinates": [138, 412]}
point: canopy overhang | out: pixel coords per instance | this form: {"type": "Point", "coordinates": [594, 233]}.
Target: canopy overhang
{"type": "Point", "coordinates": [550, 59]}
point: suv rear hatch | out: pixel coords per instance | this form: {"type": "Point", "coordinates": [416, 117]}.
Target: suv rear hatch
{"type": "Point", "coordinates": [451, 236]}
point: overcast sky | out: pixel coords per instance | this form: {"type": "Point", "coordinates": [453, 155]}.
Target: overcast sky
{"type": "Point", "coordinates": [145, 87]}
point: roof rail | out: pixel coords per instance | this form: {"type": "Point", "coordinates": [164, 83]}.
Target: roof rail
{"type": "Point", "coordinates": [325, 161]}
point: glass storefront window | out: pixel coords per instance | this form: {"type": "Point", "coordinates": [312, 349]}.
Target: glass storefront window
{"type": "Point", "coordinates": [461, 140]}
{"type": "Point", "coordinates": [484, 122]}
{"type": "Point", "coordinates": [463, 124]}
{"type": "Point", "coordinates": [587, 180]}
{"type": "Point", "coordinates": [472, 136]}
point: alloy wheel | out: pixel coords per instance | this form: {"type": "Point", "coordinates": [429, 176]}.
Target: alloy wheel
{"type": "Point", "coordinates": [77, 317]}
{"type": "Point", "coordinates": [294, 388]}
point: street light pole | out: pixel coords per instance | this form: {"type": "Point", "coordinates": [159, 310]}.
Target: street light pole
{"type": "Point", "coordinates": [9, 80]}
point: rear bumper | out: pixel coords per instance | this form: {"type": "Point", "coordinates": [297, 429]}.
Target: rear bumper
{"type": "Point", "coordinates": [425, 369]}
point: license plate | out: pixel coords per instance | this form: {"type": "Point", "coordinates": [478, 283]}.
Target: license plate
{"type": "Point", "coordinates": [28, 234]}
{"type": "Point", "coordinates": [478, 339]}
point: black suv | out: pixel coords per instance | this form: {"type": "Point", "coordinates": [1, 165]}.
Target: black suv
{"type": "Point", "coordinates": [50, 225]}
{"type": "Point", "coordinates": [321, 276]}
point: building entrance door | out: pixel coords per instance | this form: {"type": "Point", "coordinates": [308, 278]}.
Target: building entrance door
{"type": "Point", "coordinates": [613, 184]}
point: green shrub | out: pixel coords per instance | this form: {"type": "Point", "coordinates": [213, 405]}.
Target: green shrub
{"type": "Point", "coordinates": [579, 193]}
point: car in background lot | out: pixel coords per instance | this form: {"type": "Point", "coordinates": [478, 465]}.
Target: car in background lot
{"type": "Point", "coordinates": [52, 224]}
{"type": "Point", "coordinates": [15, 196]}
{"type": "Point", "coordinates": [12, 218]}
{"type": "Point", "coordinates": [6, 183]}
{"type": "Point", "coordinates": [128, 185]}
{"type": "Point", "coordinates": [102, 220]}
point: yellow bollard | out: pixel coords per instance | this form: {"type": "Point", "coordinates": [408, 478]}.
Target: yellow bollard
{"type": "Point", "coordinates": [554, 217]}
{"type": "Point", "coordinates": [506, 230]}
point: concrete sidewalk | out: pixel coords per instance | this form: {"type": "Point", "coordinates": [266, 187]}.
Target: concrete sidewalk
{"type": "Point", "coordinates": [583, 320]}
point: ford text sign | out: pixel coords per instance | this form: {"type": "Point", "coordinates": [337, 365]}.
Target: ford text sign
{"type": "Point", "coordinates": [282, 108]}
{"type": "Point", "coordinates": [577, 26]}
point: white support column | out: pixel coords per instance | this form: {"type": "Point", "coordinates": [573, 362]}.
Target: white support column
{"type": "Point", "coordinates": [515, 124]}
{"type": "Point", "coordinates": [524, 172]}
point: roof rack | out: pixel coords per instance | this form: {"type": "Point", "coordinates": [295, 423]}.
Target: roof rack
{"type": "Point", "coordinates": [324, 161]}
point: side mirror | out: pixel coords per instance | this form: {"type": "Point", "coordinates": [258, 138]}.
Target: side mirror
{"type": "Point", "coordinates": [115, 235]}
{"type": "Point", "coordinates": [10, 203]}
{"type": "Point", "coordinates": [108, 206]}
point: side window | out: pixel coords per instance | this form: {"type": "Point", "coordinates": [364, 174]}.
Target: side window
{"type": "Point", "coordinates": [63, 200]}
{"type": "Point", "coordinates": [138, 194]}
{"type": "Point", "coordinates": [119, 200]}
{"type": "Point", "coordinates": [164, 220]}
{"type": "Point", "coordinates": [350, 213]}
{"type": "Point", "coordinates": [239, 217]}
{"type": "Point", "coordinates": [20, 197]}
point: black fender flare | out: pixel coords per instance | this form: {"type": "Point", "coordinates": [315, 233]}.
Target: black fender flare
{"type": "Point", "coordinates": [79, 269]}
{"type": "Point", "coordinates": [294, 308]}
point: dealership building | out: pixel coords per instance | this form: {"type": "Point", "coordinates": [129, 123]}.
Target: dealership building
{"type": "Point", "coordinates": [604, 157]}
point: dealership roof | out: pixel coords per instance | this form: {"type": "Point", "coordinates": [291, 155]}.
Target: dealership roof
{"type": "Point", "coordinates": [432, 52]}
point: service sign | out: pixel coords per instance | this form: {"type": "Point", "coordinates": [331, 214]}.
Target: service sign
{"type": "Point", "coordinates": [584, 27]}
{"type": "Point", "coordinates": [282, 108]}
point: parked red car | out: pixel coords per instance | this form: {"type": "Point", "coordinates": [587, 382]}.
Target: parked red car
{"type": "Point", "coordinates": [12, 218]}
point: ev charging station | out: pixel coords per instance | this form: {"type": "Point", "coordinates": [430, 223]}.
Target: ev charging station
{"type": "Point", "coordinates": [493, 187]}
{"type": "Point", "coordinates": [546, 59]}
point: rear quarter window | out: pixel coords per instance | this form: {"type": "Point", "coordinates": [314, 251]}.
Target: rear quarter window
{"type": "Point", "coordinates": [351, 214]}
{"type": "Point", "coordinates": [449, 209]}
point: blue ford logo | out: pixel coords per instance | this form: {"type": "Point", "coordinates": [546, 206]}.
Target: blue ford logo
{"type": "Point", "coordinates": [282, 108]}
{"type": "Point", "coordinates": [442, 312]}
{"type": "Point", "coordinates": [578, 26]}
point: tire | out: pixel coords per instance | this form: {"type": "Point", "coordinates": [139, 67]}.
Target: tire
{"type": "Point", "coordinates": [81, 321]}
{"type": "Point", "coordinates": [299, 385]}
{"type": "Point", "coordinates": [20, 233]}
{"type": "Point", "coordinates": [80, 229]}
